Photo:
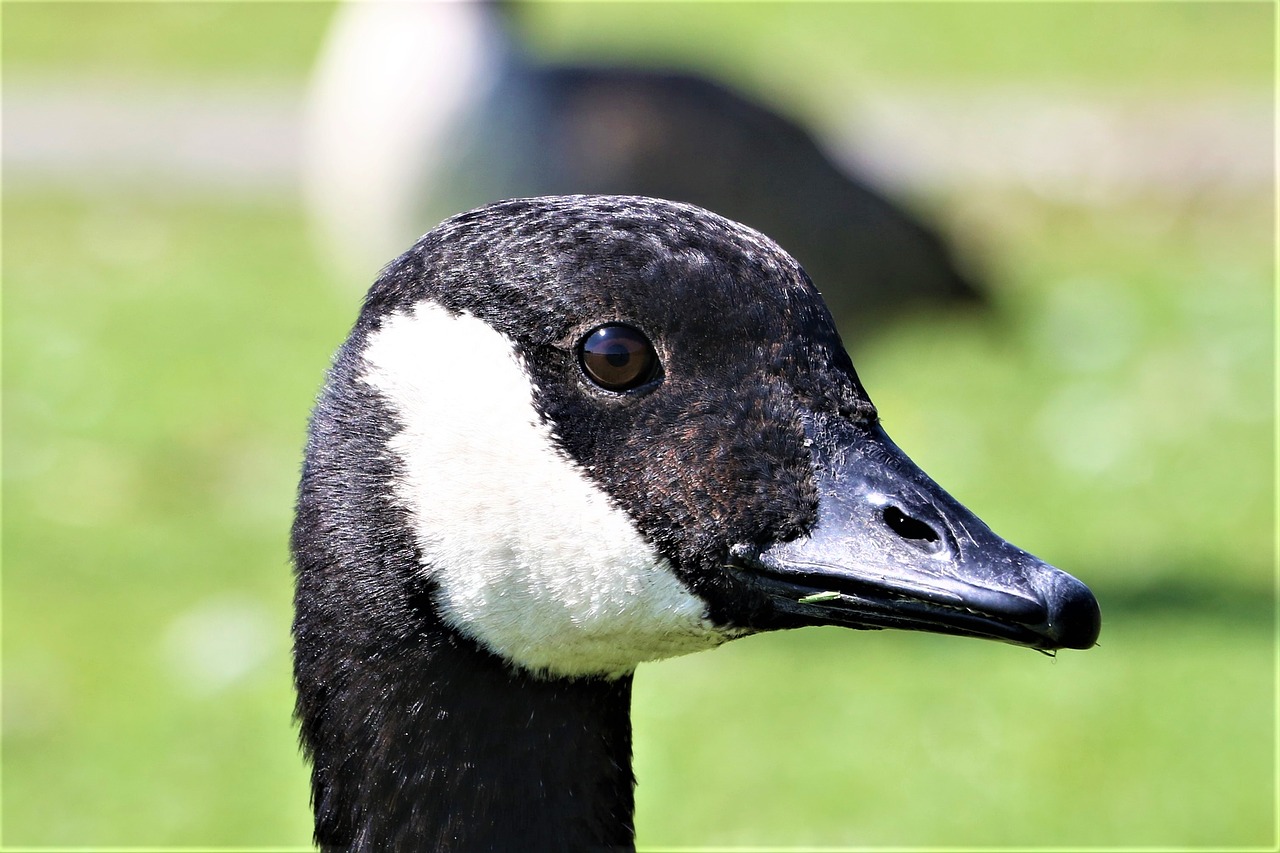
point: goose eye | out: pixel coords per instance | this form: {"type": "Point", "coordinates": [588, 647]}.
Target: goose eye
{"type": "Point", "coordinates": [618, 358]}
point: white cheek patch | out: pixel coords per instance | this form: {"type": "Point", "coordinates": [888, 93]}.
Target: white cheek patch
{"type": "Point", "coordinates": [530, 557]}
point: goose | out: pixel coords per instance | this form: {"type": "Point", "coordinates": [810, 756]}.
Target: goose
{"type": "Point", "coordinates": [417, 110]}
{"type": "Point", "coordinates": [568, 435]}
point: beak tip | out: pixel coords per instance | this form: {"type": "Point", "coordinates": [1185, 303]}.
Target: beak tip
{"type": "Point", "coordinates": [1075, 619]}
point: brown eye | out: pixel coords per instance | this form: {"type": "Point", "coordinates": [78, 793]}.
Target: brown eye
{"type": "Point", "coordinates": [618, 358]}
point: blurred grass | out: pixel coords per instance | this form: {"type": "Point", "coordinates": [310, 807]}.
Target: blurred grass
{"type": "Point", "coordinates": [1109, 44]}
{"type": "Point", "coordinates": [158, 359]}
{"type": "Point", "coordinates": [1116, 416]}
{"type": "Point", "coordinates": [1187, 44]}
{"type": "Point", "coordinates": [148, 40]}
{"type": "Point", "coordinates": [826, 737]}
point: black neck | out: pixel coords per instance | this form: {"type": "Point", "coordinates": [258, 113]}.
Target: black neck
{"type": "Point", "coordinates": [421, 740]}
{"type": "Point", "coordinates": [438, 745]}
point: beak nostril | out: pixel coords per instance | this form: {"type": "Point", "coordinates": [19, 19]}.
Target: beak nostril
{"type": "Point", "coordinates": [918, 532]}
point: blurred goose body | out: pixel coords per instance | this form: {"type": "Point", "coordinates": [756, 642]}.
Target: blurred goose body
{"type": "Point", "coordinates": [421, 109]}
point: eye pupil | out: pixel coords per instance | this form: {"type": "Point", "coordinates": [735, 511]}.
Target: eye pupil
{"type": "Point", "coordinates": [618, 357]}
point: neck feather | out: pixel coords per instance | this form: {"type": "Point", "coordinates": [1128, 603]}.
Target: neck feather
{"type": "Point", "coordinates": [437, 745]}
{"type": "Point", "coordinates": [419, 738]}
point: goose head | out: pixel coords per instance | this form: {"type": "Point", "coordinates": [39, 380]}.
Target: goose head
{"type": "Point", "coordinates": [569, 435]}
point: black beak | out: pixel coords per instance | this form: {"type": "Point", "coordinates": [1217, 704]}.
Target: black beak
{"type": "Point", "coordinates": [891, 549]}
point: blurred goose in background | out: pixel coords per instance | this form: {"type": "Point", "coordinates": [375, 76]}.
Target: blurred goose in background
{"type": "Point", "coordinates": [421, 109]}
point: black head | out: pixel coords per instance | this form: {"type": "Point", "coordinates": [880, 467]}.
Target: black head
{"type": "Point", "coordinates": [707, 462]}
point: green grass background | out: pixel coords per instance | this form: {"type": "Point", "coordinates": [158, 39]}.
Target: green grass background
{"type": "Point", "coordinates": [1114, 414]}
